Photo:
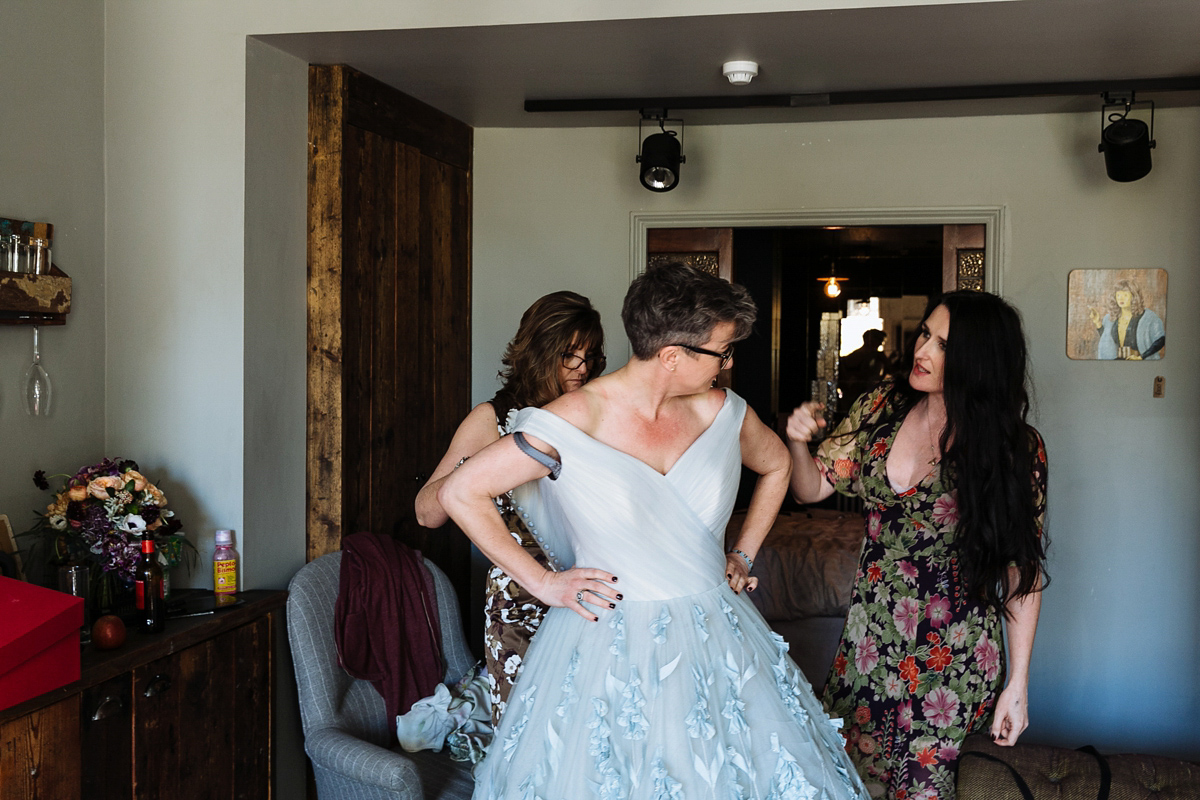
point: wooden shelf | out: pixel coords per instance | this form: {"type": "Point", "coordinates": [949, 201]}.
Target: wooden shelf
{"type": "Point", "coordinates": [35, 299]}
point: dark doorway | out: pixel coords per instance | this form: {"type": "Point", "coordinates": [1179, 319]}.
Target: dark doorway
{"type": "Point", "coordinates": [787, 269]}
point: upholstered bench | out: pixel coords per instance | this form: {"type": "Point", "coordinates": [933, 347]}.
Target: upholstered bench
{"type": "Point", "coordinates": [1062, 774]}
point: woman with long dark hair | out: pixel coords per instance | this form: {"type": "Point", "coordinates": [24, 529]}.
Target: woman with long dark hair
{"type": "Point", "coordinates": [559, 346]}
{"type": "Point", "coordinates": [953, 481]}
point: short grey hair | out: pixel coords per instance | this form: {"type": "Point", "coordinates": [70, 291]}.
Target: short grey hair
{"type": "Point", "coordinates": [673, 303]}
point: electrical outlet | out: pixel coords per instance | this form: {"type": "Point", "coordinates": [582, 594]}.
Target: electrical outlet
{"type": "Point", "coordinates": [1160, 386]}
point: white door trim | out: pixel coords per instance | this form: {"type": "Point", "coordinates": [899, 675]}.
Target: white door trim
{"type": "Point", "coordinates": [994, 218]}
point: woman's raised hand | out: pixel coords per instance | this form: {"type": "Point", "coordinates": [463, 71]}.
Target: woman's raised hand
{"type": "Point", "coordinates": [575, 588]}
{"type": "Point", "coordinates": [805, 422]}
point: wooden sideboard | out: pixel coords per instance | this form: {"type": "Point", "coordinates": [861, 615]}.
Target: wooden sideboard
{"type": "Point", "coordinates": [185, 714]}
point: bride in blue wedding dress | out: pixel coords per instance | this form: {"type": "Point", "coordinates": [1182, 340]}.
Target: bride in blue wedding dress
{"type": "Point", "coordinates": [653, 675]}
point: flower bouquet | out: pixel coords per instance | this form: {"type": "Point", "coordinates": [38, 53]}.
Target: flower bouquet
{"type": "Point", "coordinates": [99, 516]}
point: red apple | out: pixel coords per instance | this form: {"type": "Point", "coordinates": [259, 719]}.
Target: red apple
{"type": "Point", "coordinates": [108, 632]}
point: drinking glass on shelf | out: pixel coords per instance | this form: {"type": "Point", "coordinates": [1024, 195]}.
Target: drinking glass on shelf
{"type": "Point", "coordinates": [37, 383]}
{"type": "Point", "coordinates": [10, 253]}
{"type": "Point", "coordinates": [39, 256]}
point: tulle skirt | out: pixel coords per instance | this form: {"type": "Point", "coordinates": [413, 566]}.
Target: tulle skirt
{"type": "Point", "coordinates": [688, 698]}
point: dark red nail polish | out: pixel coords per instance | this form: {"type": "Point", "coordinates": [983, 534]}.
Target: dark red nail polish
{"type": "Point", "coordinates": [595, 619]}
{"type": "Point", "coordinates": [614, 578]}
{"type": "Point", "coordinates": [620, 597]}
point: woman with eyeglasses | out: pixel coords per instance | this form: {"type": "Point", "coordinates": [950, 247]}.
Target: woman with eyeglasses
{"type": "Point", "coordinates": [559, 347]}
{"type": "Point", "coordinates": [653, 675]}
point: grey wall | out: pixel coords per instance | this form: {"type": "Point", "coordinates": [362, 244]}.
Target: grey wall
{"type": "Point", "coordinates": [275, 354]}
{"type": "Point", "coordinates": [52, 170]}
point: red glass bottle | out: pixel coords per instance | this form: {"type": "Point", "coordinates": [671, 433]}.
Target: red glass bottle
{"type": "Point", "coordinates": [150, 600]}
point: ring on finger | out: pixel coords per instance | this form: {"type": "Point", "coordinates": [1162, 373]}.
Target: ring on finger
{"type": "Point", "coordinates": [579, 597]}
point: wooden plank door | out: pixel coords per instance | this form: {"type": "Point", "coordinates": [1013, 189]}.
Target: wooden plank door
{"type": "Point", "coordinates": [389, 310]}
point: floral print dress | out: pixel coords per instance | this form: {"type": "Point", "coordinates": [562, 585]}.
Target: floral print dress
{"type": "Point", "coordinates": [511, 614]}
{"type": "Point", "coordinates": [920, 663]}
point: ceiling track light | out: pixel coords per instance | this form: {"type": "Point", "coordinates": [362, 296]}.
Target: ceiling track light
{"type": "Point", "coordinates": [660, 154]}
{"type": "Point", "coordinates": [1125, 141]}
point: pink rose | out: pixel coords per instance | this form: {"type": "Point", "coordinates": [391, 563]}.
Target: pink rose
{"type": "Point", "coordinates": [139, 480]}
{"type": "Point", "coordinates": [99, 487]}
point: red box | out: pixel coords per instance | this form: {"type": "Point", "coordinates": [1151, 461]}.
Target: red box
{"type": "Point", "coordinates": [39, 640]}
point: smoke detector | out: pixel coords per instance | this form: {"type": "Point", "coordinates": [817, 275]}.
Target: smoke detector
{"type": "Point", "coordinates": [739, 73]}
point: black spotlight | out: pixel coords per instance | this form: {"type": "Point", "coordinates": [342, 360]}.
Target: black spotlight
{"type": "Point", "coordinates": [1126, 142]}
{"type": "Point", "coordinates": [660, 154]}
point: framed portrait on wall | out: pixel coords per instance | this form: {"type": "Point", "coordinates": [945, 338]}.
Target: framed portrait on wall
{"type": "Point", "coordinates": [1117, 314]}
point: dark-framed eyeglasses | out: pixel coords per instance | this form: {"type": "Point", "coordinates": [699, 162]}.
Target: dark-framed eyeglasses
{"type": "Point", "coordinates": [725, 357]}
{"type": "Point", "coordinates": [595, 362]}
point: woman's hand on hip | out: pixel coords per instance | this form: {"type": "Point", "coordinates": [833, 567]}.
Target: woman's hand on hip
{"type": "Point", "coordinates": [738, 575]}
{"type": "Point", "coordinates": [577, 589]}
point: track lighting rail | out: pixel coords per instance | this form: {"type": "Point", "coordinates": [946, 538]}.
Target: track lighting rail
{"type": "Point", "coordinates": [863, 97]}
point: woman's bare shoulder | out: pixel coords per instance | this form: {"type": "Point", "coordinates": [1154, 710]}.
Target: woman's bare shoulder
{"type": "Point", "coordinates": [581, 407]}
{"type": "Point", "coordinates": [710, 403]}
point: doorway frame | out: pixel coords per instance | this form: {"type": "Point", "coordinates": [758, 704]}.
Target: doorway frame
{"type": "Point", "coordinates": [993, 218]}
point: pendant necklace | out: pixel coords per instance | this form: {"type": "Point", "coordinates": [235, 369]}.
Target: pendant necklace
{"type": "Point", "coordinates": [935, 455]}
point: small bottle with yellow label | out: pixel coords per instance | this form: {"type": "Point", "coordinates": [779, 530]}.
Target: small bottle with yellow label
{"type": "Point", "coordinates": [225, 568]}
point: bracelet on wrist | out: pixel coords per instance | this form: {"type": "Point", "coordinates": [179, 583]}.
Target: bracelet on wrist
{"type": "Point", "coordinates": [749, 561]}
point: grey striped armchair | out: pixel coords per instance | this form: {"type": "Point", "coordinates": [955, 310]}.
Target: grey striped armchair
{"type": "Point", "coordinates": [346, 735]}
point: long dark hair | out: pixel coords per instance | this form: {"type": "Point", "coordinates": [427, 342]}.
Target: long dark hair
{"type": "Point", "coordinates": [532, 359]}
{"type": "Point", "coordinates": [987, 446]}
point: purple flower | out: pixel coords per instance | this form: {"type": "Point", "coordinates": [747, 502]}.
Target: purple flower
{"type": "Point", "coordinates": [988, 656]}
{"type": "Point", "coordinates": [866, 655]}
{"type": "Point", "coordinates": [941, 707]}
{"type": "Point", "coordinates": [907, 615]}
{"type": "Point", "coordinates": [904, 718]}
{"type": "Point", "coordinates": [937, 610]}
{"type": "Point", "coordinates": [945, 510]}
{"type": "Point", "coordinates": [39, 480]}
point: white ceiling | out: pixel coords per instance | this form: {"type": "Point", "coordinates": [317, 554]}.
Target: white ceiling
{"type": "Point", "coordinates": [483, 75]}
